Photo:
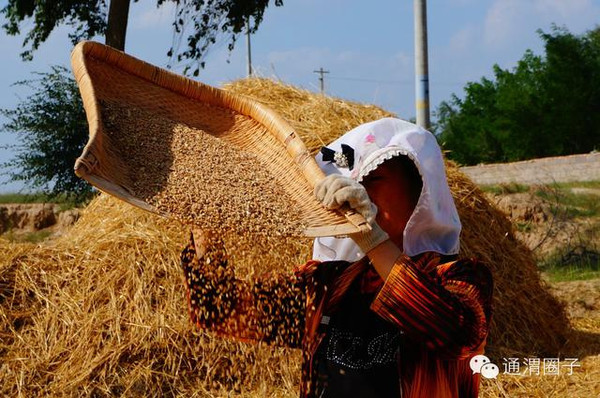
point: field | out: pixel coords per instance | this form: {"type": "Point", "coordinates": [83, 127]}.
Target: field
{"type": "Point", "coordinates": [560, 223]}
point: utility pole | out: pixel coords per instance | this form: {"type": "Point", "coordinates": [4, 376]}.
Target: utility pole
{"type": "Point", "coordinates": [321, 79]}
{"type": "Point", "coordinates": [421, 64]}
{"type": "Point", "coordinates": [248, 46]}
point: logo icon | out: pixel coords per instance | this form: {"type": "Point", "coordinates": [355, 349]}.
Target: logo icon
{"type": "Point", "coordinates": [490, 370]}
{"type": "Point", "coordinates": [482, 364]}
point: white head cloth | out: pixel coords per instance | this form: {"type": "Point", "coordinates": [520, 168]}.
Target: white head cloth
{"type": "Point", "coordinates": [434, 224]}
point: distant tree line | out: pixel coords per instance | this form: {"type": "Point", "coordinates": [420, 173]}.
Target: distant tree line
{"type": "Point", "coordinates": [53, 130]}
{"type": "Point", "coordinates": [546, 106]}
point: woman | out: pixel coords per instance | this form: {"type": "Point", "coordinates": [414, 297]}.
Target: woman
{"type": "Point", "coordinates": [387, 313]}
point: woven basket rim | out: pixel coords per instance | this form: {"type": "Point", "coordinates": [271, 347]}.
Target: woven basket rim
{"type": "Point", "coordinates": [195, 90]}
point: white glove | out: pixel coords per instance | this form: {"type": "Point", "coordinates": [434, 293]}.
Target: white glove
{"type": "Point", "coordinates": [335, 190]}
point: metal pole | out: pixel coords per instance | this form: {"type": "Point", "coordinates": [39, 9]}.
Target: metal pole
{"type": "Point", "coordinates": [421, 64]}
{"type": "Point", "coordinates": [248, 45]}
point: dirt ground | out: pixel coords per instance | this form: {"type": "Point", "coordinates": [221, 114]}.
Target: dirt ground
{"type": "Point", "coordinates": [547, 229]}
{"type": "Point", "coordinates": [582, 297]}
{"type": "Point", "coordinates": [544, 225]}
{"type": "Point", "coordinates": [24, 221]}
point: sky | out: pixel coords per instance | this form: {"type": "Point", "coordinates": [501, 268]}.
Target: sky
{"type": "Point", "coordinates": [367, 47]}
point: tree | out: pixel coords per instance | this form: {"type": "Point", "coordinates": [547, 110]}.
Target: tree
{"type": "Point", "coordinates": [211, 18]}
{"type": "Point", "coordinates": [116, 24]}
{"type": "Point", "coordinates": [197, 23]}
{"type": "Point", "coordinates": [51, 124]}
{"type": "Point", "coordinates": [545, 106]}
{"type": "Point", "coordinates": [88, 18]}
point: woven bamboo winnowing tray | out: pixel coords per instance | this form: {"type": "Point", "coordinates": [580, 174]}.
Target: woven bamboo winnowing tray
{"type": "Point", "coordinates": [107, 76]}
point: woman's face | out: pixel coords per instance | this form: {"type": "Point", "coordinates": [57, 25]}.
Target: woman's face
{"type": "Point", "coordinates": [394, 187]}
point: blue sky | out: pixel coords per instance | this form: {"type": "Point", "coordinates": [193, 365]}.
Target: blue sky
{"type": "Point", "coordinates": [366, 46]}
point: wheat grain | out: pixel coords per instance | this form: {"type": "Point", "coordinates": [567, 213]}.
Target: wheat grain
{"type": "Point", "coordinates": [198, 178]}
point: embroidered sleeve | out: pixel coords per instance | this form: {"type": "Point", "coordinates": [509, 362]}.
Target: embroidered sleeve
{"type": "Point", "coordinates": [446, 306]}
{"type": "Point", "coordinates": [269, 308]}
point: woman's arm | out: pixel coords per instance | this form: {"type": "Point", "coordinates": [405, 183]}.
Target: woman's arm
{"type": "Point", "coordinates": [447, 305]}
{"type": "Point", "coordinates": [268, 309]}
{"type": "Point", "coordinates": [383, 257]}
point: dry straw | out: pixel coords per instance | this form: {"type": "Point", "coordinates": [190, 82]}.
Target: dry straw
{"type": "Point", "coordinates": [101, 311]}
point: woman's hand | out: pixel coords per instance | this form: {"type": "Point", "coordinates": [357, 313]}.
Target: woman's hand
{"type": "Point", "coordinates": [335, 190]}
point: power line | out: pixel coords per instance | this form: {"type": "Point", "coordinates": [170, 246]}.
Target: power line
{"type": "Point", "coordinates": [367, 80]}
{"type": "Point", "coordinates": [360, 79]}
{"type": "Point", "coordinates": [321, 78]}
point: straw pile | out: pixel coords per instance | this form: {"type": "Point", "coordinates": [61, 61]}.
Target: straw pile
{"type": "Point", "coordinates": [101, 311]}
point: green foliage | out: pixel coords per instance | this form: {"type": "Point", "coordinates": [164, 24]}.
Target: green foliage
{"type": "Point", "coordinates": [197, 24]}
{"type": "Point", "coordinates": [87, 17]}
{"type": "Point", "coordinates": [545, 106]}
{"type": "Point", "coordinates": [524, 226]}
{"type": "Point", "coordinates": [210, 19]}
{"type": "Point", "coordinates": [575, 263]}
{"type": "Point", "coordinates": [504, 189]}
{"type": "Point", "coordinates": [52, 128]}
{"type": "Point", "coordinates": [580, 184]}
{"type": "Point", "coordinates": [36, 237]}
{"type": "Point", "coordinates": [569, 203]}
{"type": "Point", "coordinates": [65, 200]}
{"type": "Point", "coordinates": [579, 257]}
{"type": "Point", "coordinates": [31, 237]}
{"type": "Point", "coordinates": [567, 274]}
{"type": "Point", "coordinates": [25, 198]}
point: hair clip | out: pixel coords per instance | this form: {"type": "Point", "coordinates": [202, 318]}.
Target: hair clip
{"type": "Point", "coordinates": [341, 159]}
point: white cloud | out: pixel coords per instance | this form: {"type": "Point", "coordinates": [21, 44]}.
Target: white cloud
{"type": "Point", "coordinates": [462, 40]}
{"type": "Point", "coordinates": [507, 21]}
{"type": "Point", "coordinates": [504, 21]}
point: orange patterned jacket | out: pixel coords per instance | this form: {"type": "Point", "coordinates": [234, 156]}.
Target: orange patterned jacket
{"type": "Point", "coordinates": [440, 306]}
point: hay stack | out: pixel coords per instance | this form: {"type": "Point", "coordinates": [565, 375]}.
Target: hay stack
{"type": "Point", "coordinates": [317, 118]}
{"type": "Point", "coordinates": [101, 311]}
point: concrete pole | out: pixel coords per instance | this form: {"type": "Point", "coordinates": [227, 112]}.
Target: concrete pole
{"type": "Point", "coordinates": [421, 64]}
{"type": "Point", "coordinates": [248, 46]}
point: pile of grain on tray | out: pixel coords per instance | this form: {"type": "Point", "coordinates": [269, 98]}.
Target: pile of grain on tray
{"type": "Point", "coordinates": [197, 178]}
